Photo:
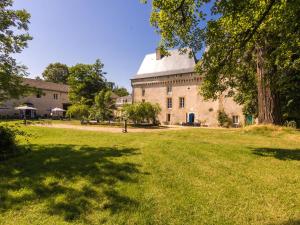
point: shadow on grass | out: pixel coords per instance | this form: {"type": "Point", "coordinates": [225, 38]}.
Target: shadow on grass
{"type": "Point", "coordinates": [290, 222]}
{"type": "Point", "coordinates": [71, 181]}
{"type": "Point", "coordinates": [282, 154]}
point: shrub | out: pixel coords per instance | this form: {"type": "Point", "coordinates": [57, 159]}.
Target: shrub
{"type": "Point", "coordinates": [291, 124]}
{"type": "Point", "coordinates": [142, 112]}
{"type": "Point", "coordinates": [78, 111]}
{"type": "Point", "coordinates": [8, 143]}
{"type": "Point", "coordinates": [223, 119]}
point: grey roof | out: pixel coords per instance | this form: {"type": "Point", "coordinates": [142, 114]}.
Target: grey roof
{"type": "Point", "coordinates": [176, 63]}
{"type": "Point", "coordinates": [44, 85]}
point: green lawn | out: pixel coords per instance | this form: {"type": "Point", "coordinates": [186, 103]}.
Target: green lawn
{"type": "Point", "coordinates": [196, 176]}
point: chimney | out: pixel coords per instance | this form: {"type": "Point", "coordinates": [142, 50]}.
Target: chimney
{"type": "Point", "coordinates": [158, 54]}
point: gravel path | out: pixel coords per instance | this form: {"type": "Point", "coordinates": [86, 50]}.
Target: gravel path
{"type": "Point", "coordinates": [110, 129]}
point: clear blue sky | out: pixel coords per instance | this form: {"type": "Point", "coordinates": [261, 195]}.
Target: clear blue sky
{"type": "Point", "coordinates": [80, 31]}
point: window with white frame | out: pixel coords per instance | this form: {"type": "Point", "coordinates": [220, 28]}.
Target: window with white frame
{"type": "Point", "coordinates": [55, 96]}
{"type": "Point", "coordinates": [181, 102]}
{"type": "Point", "coordinates": [235, 120]}
{"type": "Point", "coordinates": [169, 89]}
{"type": "Point", "coordinates": [169, 103]}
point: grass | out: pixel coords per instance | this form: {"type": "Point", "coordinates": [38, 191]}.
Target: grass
{"type": "Point", "coordinates": [194, 176]}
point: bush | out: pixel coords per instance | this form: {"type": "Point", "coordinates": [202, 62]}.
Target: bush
{"type": "Point", "coordinates": [78, 111]}
{"type": "Point", "coordinates": [8, 143]}
{"type": "Point", "coordinates": [291, 124]}
{"type": "Point", "coordinates": [223, 119]}
{"type": "Point", "coordinates": [142, 112]}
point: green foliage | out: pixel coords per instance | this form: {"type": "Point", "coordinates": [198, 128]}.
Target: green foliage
{"type": "Point", "coordinates": [86, 81]}
{"type": "Point", "coordinates": [57, 73]}
{"type": "Point", "coordinates": [8, 143]}
{"type": "Point", "coordinates": [142, 112]}
{"type": "Point", "coordinates": [241, 37]}
{"type": "Point", "coordinates": [13, 39]}
{"type": "Point", "coordinates": [223, 119]}
{"type": "Point", "coordinates": [120, 91]}
{"type": "Point", "coordinates": [78, 111]}
{"type": "Point", "coordinates": [104, 106]}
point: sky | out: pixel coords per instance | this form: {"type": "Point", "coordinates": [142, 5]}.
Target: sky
{"type": "Point", "coordinates": [117, 32]}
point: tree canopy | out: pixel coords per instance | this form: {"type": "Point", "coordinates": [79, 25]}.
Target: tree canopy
{"type": "Point", "coordinates": [86, 81]}
{"type": "Point", "coordinates": [142, 112]}
{"type": "Point", "coordinates": [104, 106]}
{"type": "Point", "coordinates": [252, 49]}
{"type": "Point", "coordinates": [57, 73]}
{"type": "Point", "coordinates": [13, 39]}
{"type": "Point", "coordinates": [120, 91]}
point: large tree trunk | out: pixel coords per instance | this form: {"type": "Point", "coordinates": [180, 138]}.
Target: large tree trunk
{"type": "Point", "coordinates": [268, 100]}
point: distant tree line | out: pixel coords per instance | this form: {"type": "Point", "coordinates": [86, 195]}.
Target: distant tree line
{"type": "Point", "coordinates": [61, 73]}
{"type": "Point", "coordinates": [91, 95]}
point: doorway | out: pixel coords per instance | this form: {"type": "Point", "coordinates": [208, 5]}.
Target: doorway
{"type": "Point", "coordinates": [168, 118]}
{"type": "Point", "coordinates": [191, 117]}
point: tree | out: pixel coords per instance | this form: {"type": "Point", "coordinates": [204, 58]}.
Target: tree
{"type": "Point", "coordinates": [13, 39]}
{"type": "Point", "coordinates": [142, 112]}
{"type": "Point", "coordinates": [78, 111]}
{"type": "Point", "coordinates": [86, 81]}
{"type": "Point", "coordinates": [252, 49]}
{"type": "Point", "coordinates": [120, 91]}
{"type": "Point", "coordinates": [57, 73]}
{"type": "Point", "coordinates": [104, 106]}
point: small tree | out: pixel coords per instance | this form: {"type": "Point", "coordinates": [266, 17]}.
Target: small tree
{"type": "Point", "coordinates": [78, 111]}
{"type": "Point", "coordinates": [142, 112]}
{"type": "Point", "coordinates": [223, 119]}
{"type": "Point", "coordinates": [104, 106]}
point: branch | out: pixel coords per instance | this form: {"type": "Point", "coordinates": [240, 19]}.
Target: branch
{"type": "Point", "coordinates": [250, 33]}
{"type": "Point", "coordinates": [180, 8]}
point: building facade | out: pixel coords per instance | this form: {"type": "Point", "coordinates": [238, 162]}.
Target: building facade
{"type": "Point", "coordinates": [171, 82]}
{"type": "Point", "coordinates": [121, 101]}
{"type": "Point", "coordinates": [50, 95]}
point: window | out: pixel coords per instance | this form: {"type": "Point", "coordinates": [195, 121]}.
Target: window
{"type": "Point", "coordinates": [39, 93]}
{"type": "Point", "coordinates": [168, 117]}
{"type": "Point", "coordinates": [55, 96]}
{"type": "Point", "coordinates": [169, 90]}
{"type": "Point", "coordinates": [169, 103]}
{"type": "Point", "coordinates": [181, 102]}
{"type": "Point", "coordinates": [143, 91]}
{"type": "Point", "coordinates": [235, 119]}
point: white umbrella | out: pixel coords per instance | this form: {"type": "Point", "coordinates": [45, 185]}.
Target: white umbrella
{"type": "Point", "coordinates": [57, 110]}
{"type": "Point", "coordinates": [25, 107]}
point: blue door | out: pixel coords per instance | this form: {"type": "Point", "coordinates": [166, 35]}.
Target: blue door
{"type": "Point", "coordinates": [191, 118]}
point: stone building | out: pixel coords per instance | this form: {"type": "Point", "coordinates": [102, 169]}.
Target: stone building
{"type": "Point", "coordinates": [50, 95]}
{"type": "Point", "coordinates": [121, 101]}
{"type": "Point", "coordinates": [171, 82]}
